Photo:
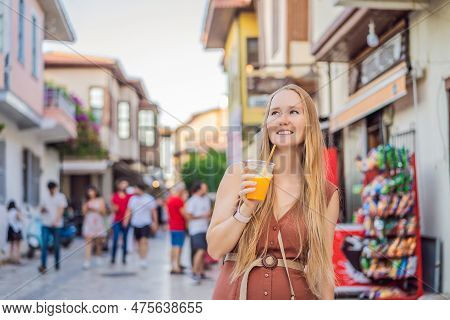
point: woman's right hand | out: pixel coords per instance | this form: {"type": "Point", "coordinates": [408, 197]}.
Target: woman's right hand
{"type": "Point", "coordinates": [248, 206]}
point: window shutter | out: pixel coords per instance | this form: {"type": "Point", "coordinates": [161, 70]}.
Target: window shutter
{"type": "Point", "coordinates": [35, 179]}
{"type": "Point", "coordinates": [2, 172]}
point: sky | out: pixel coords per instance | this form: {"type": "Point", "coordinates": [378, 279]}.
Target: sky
{"type": "Point", "coordinates": [158, 41]}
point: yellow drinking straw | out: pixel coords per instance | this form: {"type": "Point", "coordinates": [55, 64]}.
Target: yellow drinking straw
{"type": "Point", "coordinates": [271, 153]}
{"type": "Point", "coordinates": [264, 173]}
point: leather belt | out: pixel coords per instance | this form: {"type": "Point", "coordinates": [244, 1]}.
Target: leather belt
{"type": "Point", "coordinates": [268, 261]}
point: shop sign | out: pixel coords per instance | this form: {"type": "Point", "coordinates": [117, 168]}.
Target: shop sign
{"type": "Point", "coordinates": [385, 57]}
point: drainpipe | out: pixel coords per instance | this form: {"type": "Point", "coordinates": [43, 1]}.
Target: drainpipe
{"type": "Point", "coordinates": [415, 72]}
{"type": "Point", "coordinates": [330, 105]}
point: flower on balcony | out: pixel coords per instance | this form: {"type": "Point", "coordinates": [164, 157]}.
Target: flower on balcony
{"type": "Point", "coordinates": [76, 100]}
{"type": "Point", "coordinates": [87, 144]}
{"type": "Point", "coordinates": [96, 128]}
{"type": "Point", "coordinates": [82, 117]}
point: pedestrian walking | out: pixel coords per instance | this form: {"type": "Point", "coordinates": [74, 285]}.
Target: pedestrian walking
{"type": "Point", "coordinates": [94, 230]}
{"type": "Point", "coordinates": [141, 215]}
{"type": "Point", "coordinates": [177, 226]}
{"type": "Point", "coordinates": [198, 212]}
{"type": "Point", "coordinates": [267, 243]}
{"type": "Point", "coordinates": [15, 219]}
{"type": "Point", "coordinates": [52, 210]}
{"type": "Point", "coordinates": [119, 204]}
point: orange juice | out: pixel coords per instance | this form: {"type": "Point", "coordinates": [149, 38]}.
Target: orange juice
{"type": "Point", "coordinates": [262, 185]}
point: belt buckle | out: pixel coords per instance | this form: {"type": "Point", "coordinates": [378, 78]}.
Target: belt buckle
{"type": "Point", "coordinates": [269, 261]}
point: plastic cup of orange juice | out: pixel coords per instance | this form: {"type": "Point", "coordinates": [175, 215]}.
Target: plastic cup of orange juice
{"type": "Point", "coordinates": [263, 175]}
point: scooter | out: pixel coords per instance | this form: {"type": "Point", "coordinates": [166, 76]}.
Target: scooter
{"type": "Point", "coordinates": [34, 234]}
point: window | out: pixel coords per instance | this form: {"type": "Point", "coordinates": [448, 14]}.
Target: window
{"type": "Point", "coordinates": [21, 42]}
{"type": "Point", "coordinates": [252, 51]}
{"type": "Point", "coordinates": [147, 127]}
{"type": "Point", "coordinates": [96, 102]}
{"type": "Point", "coordinates": [123, 120]}
{"type": "Point", "coordinates": [34, 48]}
{"type": "Point", "coordinates": [275, 27]}
{"type": "Point", "coordinates": [31, 177]}
{"type": "Point", "coordinates": [2, 172]}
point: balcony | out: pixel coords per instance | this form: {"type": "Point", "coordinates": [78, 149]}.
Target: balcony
{"type": "Point", "coordinates": [18, 111]}
{"type": "Point", "coordinates": [59, 122]}
{"type": "Point", "coordinates": [57, 98]}
{"type": "Point", "coordinates": [265, 79]}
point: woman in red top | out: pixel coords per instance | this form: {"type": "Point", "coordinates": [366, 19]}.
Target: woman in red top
{"type": "Point", "coordinates": [119, 204]}
{"type": "Point", "coordinates": [177, 226]}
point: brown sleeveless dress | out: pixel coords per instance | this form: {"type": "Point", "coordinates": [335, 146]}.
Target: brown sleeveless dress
{"type": "Point", "coordinates": [272, 284]}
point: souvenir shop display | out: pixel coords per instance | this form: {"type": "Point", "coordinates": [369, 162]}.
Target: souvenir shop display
{"type": "Point", "coordinates": [390, 255]}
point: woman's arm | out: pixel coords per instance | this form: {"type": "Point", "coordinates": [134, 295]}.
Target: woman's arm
{"type": "Point", "coordinates": [19, 215]}
{"type": "Point", "coordinates": [155, 223]}
{"type": "Point", "coordinates": [332, 216]}
{"type": "Point", "coordinates": [102, 209]}
{"type": "Point", "coordinates": [84, 208]}
{"type": "Point", "coordinates": [114, 206]}
{"type": "Point", "coordinates": [224, 230]}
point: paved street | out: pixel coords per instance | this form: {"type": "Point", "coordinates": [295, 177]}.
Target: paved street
{"type": "Point", "coordinates": [104, 281]}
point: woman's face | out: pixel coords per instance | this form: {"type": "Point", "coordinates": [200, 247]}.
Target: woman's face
{"type": "Point", "coordinates": [91, 193]}
{"type": "Point", "coordinates": [286, 120]}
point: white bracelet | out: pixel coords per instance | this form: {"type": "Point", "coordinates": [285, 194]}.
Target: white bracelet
{"type": "Point", "coordinates": [241, 218]}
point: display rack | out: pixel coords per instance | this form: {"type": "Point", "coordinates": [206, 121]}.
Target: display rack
{"type": "Point", "coordinates": [391, 256]}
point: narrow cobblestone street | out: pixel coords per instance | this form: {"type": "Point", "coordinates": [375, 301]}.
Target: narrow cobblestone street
{"type": "Point", "coordinates": [104, 281]}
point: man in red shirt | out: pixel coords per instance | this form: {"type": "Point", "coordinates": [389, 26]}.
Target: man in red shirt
{"type": "Point", "coordinates": [177, 226]}
{"type": "Point", "coordinates": [119, 204]}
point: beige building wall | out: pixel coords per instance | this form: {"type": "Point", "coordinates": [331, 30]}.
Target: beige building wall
{"type": "Point", "coordinates": [429, 53]}
{"type": "Point", "coordinates": [208, 129]}
{"type": "Point", "coordinates": [322, 14]}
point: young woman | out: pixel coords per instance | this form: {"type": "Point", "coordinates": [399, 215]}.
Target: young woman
{"type": "Point", "coordinates": [14, 232]}
{"type": "Point", "coordinates": [93, 224]}
{"type": "Point", "coordinates": [279, 248]}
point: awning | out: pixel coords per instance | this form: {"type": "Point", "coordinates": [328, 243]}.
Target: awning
{"type": "Point", "coordinates": [85, 166]}
{"type": "Point", "coordinates": [377, 94]}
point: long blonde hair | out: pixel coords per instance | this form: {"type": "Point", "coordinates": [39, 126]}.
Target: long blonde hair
{"type": "Point", "coordinates": [312, 200]}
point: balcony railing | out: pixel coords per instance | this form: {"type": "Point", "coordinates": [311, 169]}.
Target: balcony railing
{"type": "Point", "coordinates": [56, 98]}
